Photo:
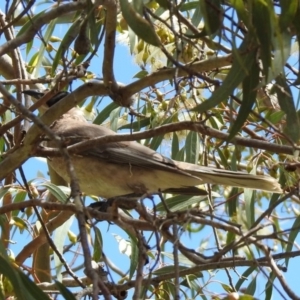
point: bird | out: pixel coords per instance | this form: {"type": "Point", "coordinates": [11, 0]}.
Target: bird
{"type": "Point", "coordinates": [131, 169]}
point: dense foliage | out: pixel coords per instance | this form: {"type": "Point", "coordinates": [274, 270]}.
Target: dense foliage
{"type": "Point", "coordinates": [217, 85]}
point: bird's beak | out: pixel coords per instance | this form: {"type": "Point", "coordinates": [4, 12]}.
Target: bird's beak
{"type": "Point", "coordinates": [38, 95]}
{"type": "Point", "coordinates": [34, 93]}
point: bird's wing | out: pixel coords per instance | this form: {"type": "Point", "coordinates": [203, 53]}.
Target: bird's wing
{"type": "Point", "coordinates": [131, 153]}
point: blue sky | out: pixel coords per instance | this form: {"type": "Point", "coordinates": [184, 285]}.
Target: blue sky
{"type": "Point", "coordinates": [125, 69]}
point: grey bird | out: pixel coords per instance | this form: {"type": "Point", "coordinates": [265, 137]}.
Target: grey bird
{"type": "Point", "coordinates": [131, 169]}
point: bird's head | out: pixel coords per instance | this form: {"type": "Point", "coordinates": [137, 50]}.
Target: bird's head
{"type": "Point", "coordinates": [37, 94]}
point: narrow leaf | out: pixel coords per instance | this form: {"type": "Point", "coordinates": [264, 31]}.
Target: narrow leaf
{"type": "Point", "coordinates": [104, 114]}
{"type": "Point", "coordinates": [286, 102]}
{"type": "Point", "coordinates": [292, 236]}
{"type": "Point", "coordinates": [137, 125]}
{"type": "Point", "coordinates": [66, 42]}
{"type": "Point", "coordinates": [192, 147]}
{"type": "Point", "coordinates": [66, 293]}
{"type": "Point", "coordinates": [56, 191]}
{"type": "Point", "coordinates": [249, 206]}
{"type": "Point", "coordinates": [212, 14]}
{"type": "Point", "coordinates": [134, 258]}
{"type": "Point", "coordinates": [244, 277]}
{"type": "Point", "coordinates": [98, 244]}
{"type": "Point", "coordinates": [114, 117]}
{"type": "Point", "coordinates": [138, 24]}
{"type": "Point", "coordinates": [262, 23]}
{"type": "Point", "coordinates": [59, 239]}
{"type": "Point", "coordinates": [237, 73]}
{"type": "Point", "coordinates": [175, 145]}
{"type": "Point", "coordinates": [250, 84]}
{"type": "Point", "coordinates": [288, 12]}
{"type": "Point", "coordinates": [241, 10]}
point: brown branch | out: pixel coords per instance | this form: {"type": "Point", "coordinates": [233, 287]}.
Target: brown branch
{"type": "Point", "coordinates": [164, 129]}
{"type": "Point", "coordinates": [100, 216]}
{"type": "Point", "coordinates": [278, 274]}
{"type": "Point", "coordinates": [109, 44]}
{"type": "Point", "coordinates": [42, 239]}
{"type": "Point", "coordinates": [140, 266]}
{"type": "Point", "coordinates": [263, 261]}
{"type": "Point", "coordinates": [169, 73]}
{"type": "Point", "coordinates": [23, 152]}
{"type": "Point", "coordinates": [39, 23]}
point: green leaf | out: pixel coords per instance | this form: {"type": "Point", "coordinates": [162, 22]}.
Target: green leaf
{"type": "Point", "coordinates": [286, 102]}
{"type": "Point", "coordinates": [175, 145]}
{"type": "Point", "coordinates": [269, 286]}
{"type": "Point", "coordinates": [239, 70]}
{"type": "Point", "coordinates": [197, 17]}
{"type": "Point", "coordinates": [292, 236]}
{"type": "Point", "coordinates": [12, 274]}
{"type": "Point", "coordinates": [66, 42]}
{"type": "Point", "coordinates": [192, 147]}
{"type": "Point", "coordinates": [32, 288]}
{"type": "Point", "coordinates": [244, 277]}
{"type": "Point", "coordinates": [156, 141]}
{"type": "Point", "coordinates": [275, 117]}
{"type": "Point", "coordinates": [251, 288]}
{"type": "Point", "coordinates": [46, 37]}
{"type": "Point", "coordinates": [28, 25]}
{"type": "Point", "coordinates": [191, 281]}
{"type": "Point", "coordinates": [66, 293]}
{"type": "Point", "coordinates": [163, 3]}
{"type": "Point", "coordinates": [179, 202]}
{"type": "Point", "coordinates": [230, 237]}
{"type": "Point", "coordinates": [226, 288]}
{"type": "Point", "coordinates": [20, 196]}
{"type": "Point", "coordinates": [187, 6]}
{"type": "Point", "coordinates": [262, 22]}
{"type": "Point", "coordinates": [224, 159]}
{"type": "Point", "coordinates": [3, 227]}
{"type": "Point", "coordinates": [296, 24]}
{"type": "Point", "coordinates": [2, 145]}
{"type": "Point", "coordinates": [29, 47]}
{"type": "Point", "coordinates": [249, 206]}
{"type": "Point", "coordinates": [98, 245]}
{"type": "Point", "coordinates": [250, 84]}
{"type": "Point", "coordinates": [33, 61]}
{"type": "Point", "coordinates": [247, 297]}
{"type": "Point", "coordinates": [134, 258]}
{"type": "Point", "coordinates": [281, 53]}
{"type": "Point", "coordinates": [180, 154]}
{"type": "Point", "coordinates": [141, 74]}
{"type": "Point", "coordinates": [60, 236]}
{"type": "Point", "coordinates": [93, 25]}
{"type": "Point", "coordinates": [137, 125]}
{"type": "Point", "coordinates": [274, 199]}
{"type": "Point", "coordinates": [212, 13]}
{"type": "Point", "coordinates": [241, 11]}
{"type": "Point", "coordinates": [20, 224]}
{"type": "Point", "coordinates": [104, 114]}
{"type": "Point", "coordinates": [138, 24]}
{"type": "Point", "coordinates": [181, 257]}
{"type": "Point", "coordinates": [114, 118]}
{"type": "Point", "coordinates": [168, 269]}
{"type": "Point", "coordinates": [4, 191]}
{"type": "Point", "coordinates": [233, 202]}
{"type": "Point", "coordinates": [288, 12]}
{"type": "Point", "coordinates": [56, 191]}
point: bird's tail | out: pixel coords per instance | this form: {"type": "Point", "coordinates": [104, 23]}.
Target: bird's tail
{"type": "Point", "coordinates": [231, 178]}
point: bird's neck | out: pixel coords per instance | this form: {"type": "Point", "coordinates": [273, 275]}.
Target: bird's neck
{"type": "Point", "coordinates": [75, 114]}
